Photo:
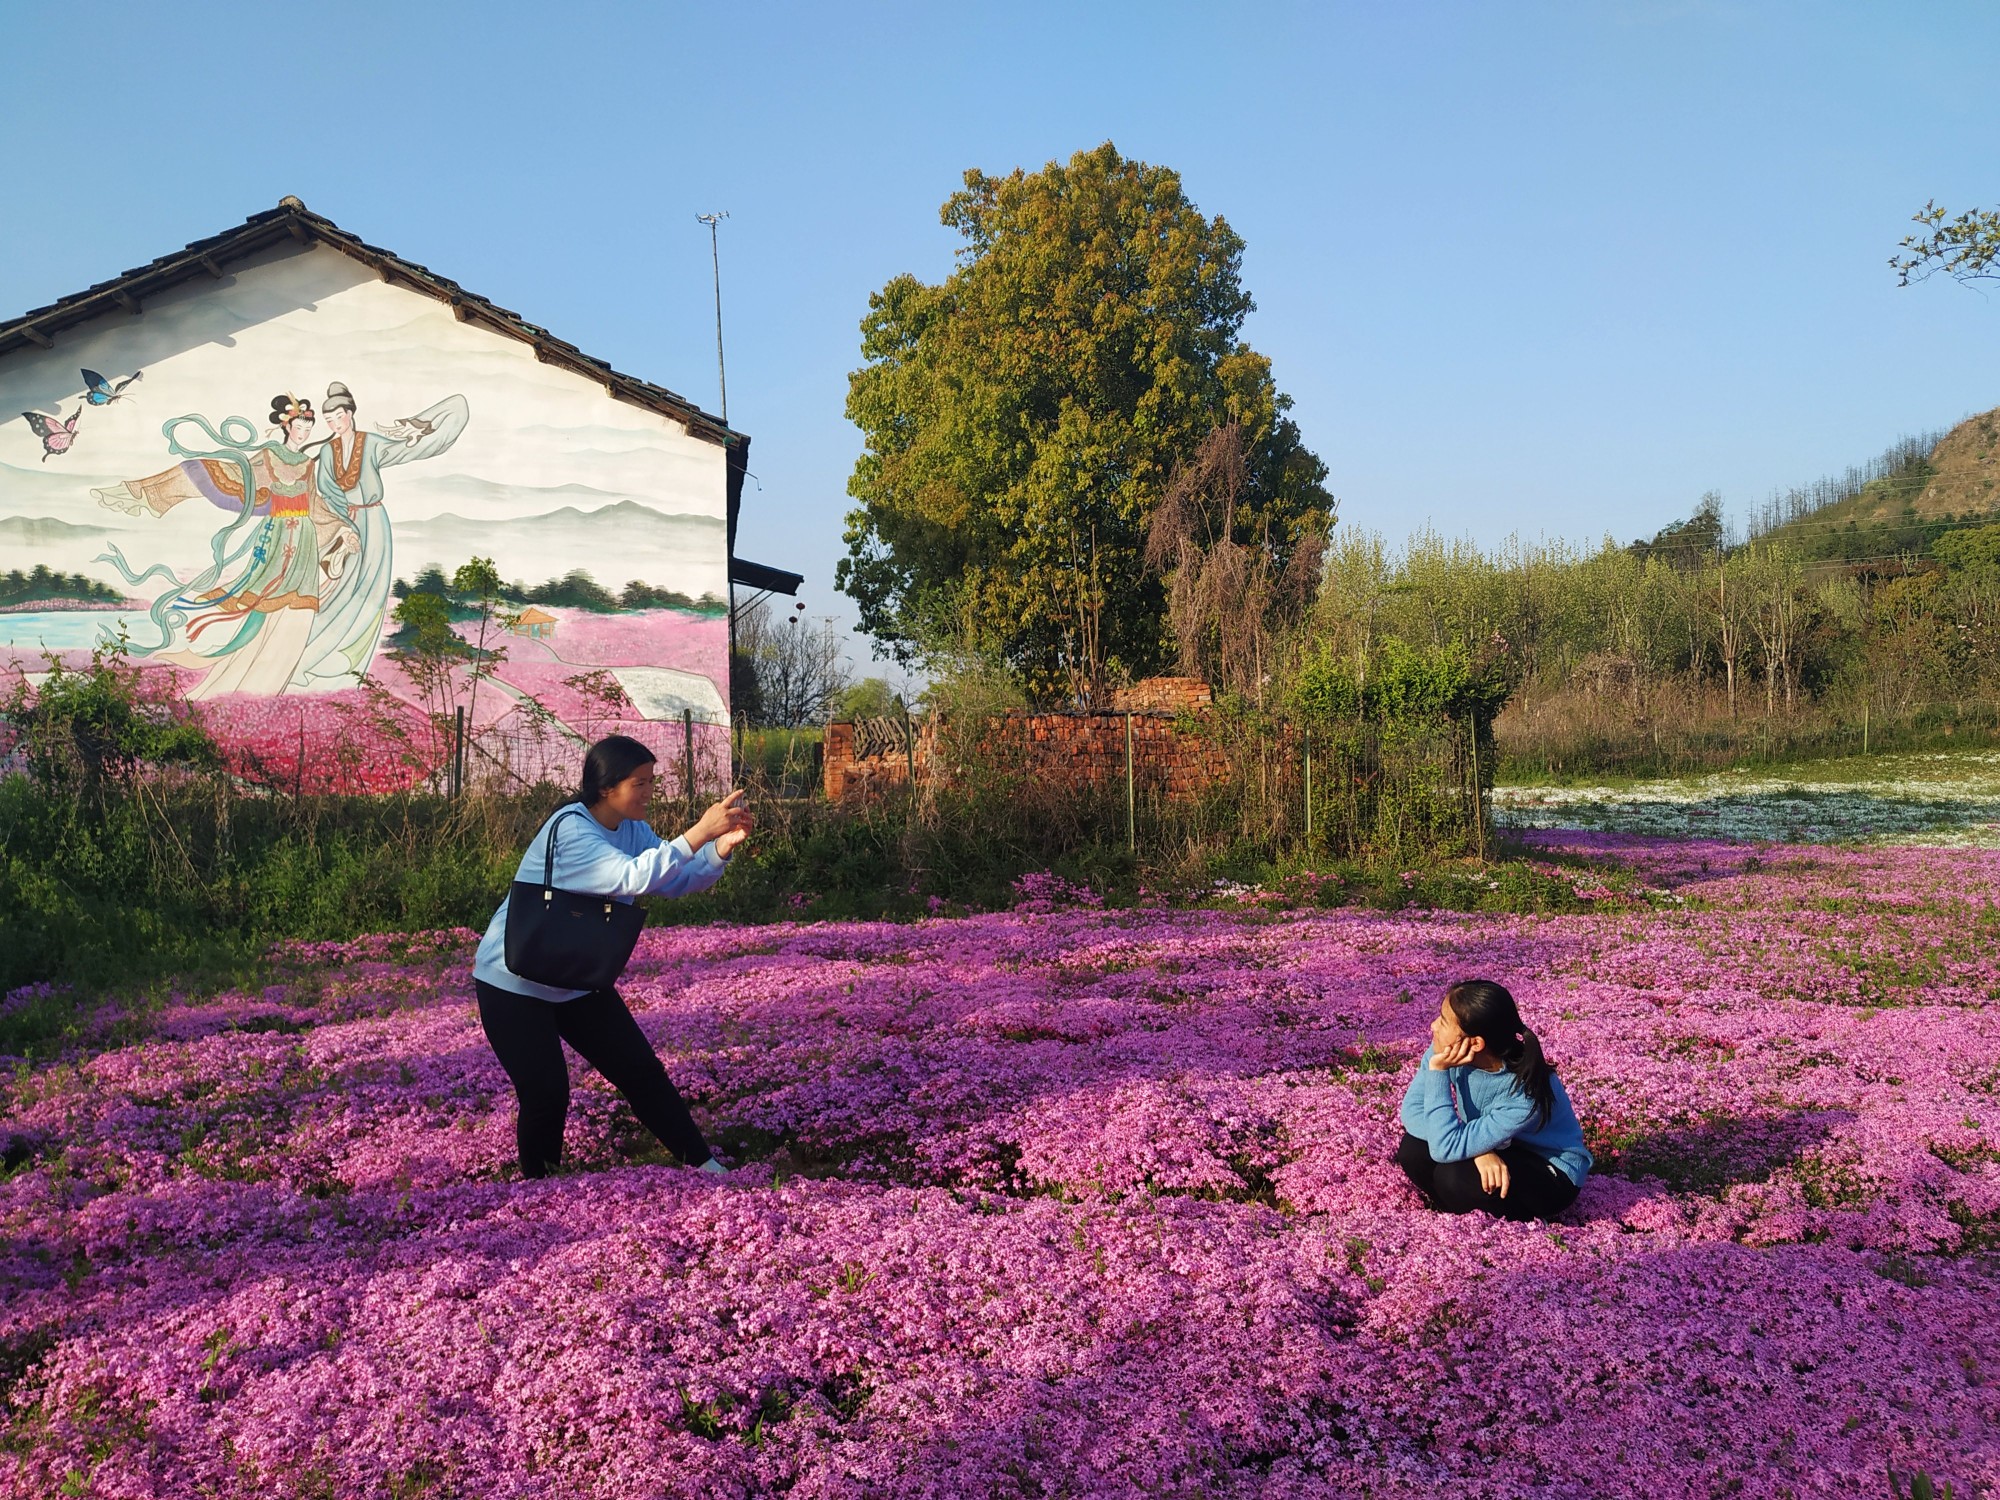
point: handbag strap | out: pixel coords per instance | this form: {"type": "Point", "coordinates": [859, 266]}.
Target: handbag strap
{"type": "Point", "coordinates": [549, 851]}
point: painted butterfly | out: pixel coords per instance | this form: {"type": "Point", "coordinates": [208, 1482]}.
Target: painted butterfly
{"type": "Point", "coordinates": [101, 392]}
{"type": "Point", "coordinates": [56, 436]}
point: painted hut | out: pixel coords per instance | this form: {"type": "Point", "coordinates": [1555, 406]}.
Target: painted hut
{"type": "Point", "coordinates": [534, 622]}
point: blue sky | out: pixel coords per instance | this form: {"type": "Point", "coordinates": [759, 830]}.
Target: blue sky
{"type": "Point", "coordinates": [1553, 269]}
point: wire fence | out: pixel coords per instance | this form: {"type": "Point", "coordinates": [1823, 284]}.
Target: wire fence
{"type": "Point", "coordinates": [1160, 782]}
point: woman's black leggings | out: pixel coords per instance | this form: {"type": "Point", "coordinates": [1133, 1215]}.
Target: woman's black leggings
{"type": "Point", "coordinates": [1536, 1187]}
{"type": "Point", "coordinates": [527, 1036]}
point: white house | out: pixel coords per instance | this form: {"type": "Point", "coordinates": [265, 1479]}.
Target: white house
{"type": "Point", "coordinates": [240, 458]}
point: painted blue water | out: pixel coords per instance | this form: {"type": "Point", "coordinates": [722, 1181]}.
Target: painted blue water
{"type": "Point", "coordinates": [69, 629]}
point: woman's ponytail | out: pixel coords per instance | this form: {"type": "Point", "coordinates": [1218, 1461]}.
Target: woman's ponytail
{"type": "Point", "coordinates": [1532, 1072]}
{"type": "Point", "coordinates": [1486, 1010]}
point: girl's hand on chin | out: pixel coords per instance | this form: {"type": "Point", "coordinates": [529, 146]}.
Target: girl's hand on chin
{"type": "Point", "coordinates": [1455, 1055]}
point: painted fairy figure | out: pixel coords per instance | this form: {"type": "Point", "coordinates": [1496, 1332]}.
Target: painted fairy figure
{"type": "Point", "coordinates": [245, 620]}
{"type": "Point", "coordinates": [355, 602]}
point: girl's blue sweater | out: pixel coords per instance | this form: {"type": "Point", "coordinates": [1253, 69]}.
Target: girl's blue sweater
{"type": "Point", "coordinates": [1465, 1112]}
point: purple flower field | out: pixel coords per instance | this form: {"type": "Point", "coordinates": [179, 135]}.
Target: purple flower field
{"type": "Point", "coordinates": [1069, 1202]}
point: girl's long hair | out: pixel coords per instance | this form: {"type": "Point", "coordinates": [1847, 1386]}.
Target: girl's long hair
{"type": "Point", "coordinates": [1485, 1010]}
{"type": "Point", "coordinates": [609, 762]}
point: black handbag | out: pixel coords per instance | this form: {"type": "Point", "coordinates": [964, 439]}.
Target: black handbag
{"type": "Point", "coordinates": [565, 939]}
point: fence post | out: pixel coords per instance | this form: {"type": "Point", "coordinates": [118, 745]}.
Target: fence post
{"type": "Point", "coordinates": [458, 752]}
{"type": "Point", "coordinates": [687, 728]}
{"type": "Point", "coordinates": [1131, 799]}
{"type": "Point", "coordinates": [1309, 785]}
{"type": "Point", "coordinates": [910, 748]}
{"type": "Point", "coordinates": [1478, 799]}
{"type": "Point", "coordinates": [1864, 726]}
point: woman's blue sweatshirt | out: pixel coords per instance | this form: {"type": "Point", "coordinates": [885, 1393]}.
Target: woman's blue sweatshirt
{"type": "Point", "coordinates": [597, 861]}
{"type": "Point", "coordinates": [1465, 1112]}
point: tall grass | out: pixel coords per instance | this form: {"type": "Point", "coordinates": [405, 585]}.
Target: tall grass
{"type": "Point", "coordinates": [177, 873]}
{"type": "Point", "coordinates": [1676, 726]}
{"type": "Point", "coordinates": [1642, 660]}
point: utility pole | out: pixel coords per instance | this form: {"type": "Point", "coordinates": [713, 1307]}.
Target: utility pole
{"type": "Point", "coordinates": [715, 257]}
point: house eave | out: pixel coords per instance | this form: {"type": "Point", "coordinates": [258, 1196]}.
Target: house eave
{"type": "Point", "coordinates": [292, 222]}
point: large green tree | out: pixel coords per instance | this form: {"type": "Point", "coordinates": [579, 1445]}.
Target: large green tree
{"type": "Point", "coordinates": [1023, 418]}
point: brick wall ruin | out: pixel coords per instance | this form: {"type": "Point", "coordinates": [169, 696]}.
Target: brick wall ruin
{"type": "Point", "coordinates": [1169, 695]}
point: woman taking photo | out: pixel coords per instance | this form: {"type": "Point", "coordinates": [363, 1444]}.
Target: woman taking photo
{"type": "Point", "coordinates": [603, 854]}
{"type": "Point", "coordinates": [1486, 1122]}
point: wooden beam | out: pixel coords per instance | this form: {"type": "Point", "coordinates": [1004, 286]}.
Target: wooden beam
{"type": "Point", "coordinates": [126, 300]}
{"type": "Point", "coordinates": [211, 265]}
{"type": "Point", "coordinates": [35, 335]}
{"type": "Point", "coordinates": [299, 231]}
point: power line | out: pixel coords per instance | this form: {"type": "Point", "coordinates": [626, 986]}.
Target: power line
{"type": "Point", "coordinates": [1962, 522]}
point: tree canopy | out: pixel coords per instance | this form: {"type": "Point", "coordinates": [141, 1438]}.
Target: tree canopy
{"type": "Point", "coordinates": [1023, 418]}
{"type": "Point", "coordinates": [1690, 543]}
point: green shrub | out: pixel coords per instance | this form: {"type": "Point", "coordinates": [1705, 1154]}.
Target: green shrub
{"type": "Point", "coordinates": [1402, 744]}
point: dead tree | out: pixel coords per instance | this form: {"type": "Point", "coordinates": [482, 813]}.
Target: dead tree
{"type": "Point", "coordinates": [1234, 590]}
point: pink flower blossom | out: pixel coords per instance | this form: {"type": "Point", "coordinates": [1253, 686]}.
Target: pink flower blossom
{"type": "Point", "coordinates": [1071, 1201]}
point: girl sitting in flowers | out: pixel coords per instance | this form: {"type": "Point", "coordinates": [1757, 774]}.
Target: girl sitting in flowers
{"type": "Point", "coordinates": [1486, 1122]}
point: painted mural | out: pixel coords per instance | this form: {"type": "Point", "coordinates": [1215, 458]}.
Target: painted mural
{"type": "Point", "coordinates": [286, 461]}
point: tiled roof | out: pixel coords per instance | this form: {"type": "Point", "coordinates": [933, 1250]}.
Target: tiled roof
{"type": "Point", "coordinates": [292, 220]}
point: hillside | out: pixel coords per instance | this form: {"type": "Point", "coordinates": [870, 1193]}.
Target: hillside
{"type": "Point", "coordinates": [1900, 502]}
{"type": "Point", "coordinates": [43, 531]}
{"type": "Point", "coordinates": [1965, 477]}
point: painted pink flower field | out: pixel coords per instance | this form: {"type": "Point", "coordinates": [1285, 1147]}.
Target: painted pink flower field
{"type": "Point", "coordinates": [544, 700]}
{"type": "Point", "coordinates": [1053, 1203]}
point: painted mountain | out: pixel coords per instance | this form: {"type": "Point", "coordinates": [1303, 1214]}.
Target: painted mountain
{"type": "Point", "coordinates": [615, 543]}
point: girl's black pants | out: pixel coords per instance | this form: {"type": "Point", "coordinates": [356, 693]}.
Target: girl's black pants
{"type": "Point", "coordinates": [1536, 1187]}
{"type": "Point", "coordinates": [527, 1036]}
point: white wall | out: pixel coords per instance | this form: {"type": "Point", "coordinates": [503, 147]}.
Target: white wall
{"type": "Point", "coordinates": [545, 454]}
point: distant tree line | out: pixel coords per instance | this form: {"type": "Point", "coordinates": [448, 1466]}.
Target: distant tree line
{"type": "Point", "coordinates": [42, 582]}
{"type": "Point", "coordinates": [785, 671]}
{"type": "Point", "coordinates": [1686, 624]}
{"type": "Point", "coordinates": [1899, 474]}
{"type": "Point", "coordinates": [1887, 488]}
{"type": "Point", "coordinates": [576, 589]}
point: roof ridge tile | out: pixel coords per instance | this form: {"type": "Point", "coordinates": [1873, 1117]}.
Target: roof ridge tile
{"type": "Point", "coordinates": [36, 327]}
